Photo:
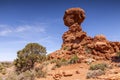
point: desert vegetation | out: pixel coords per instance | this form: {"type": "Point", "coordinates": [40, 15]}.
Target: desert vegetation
{"type": "Point", "coordinates": [24, 64]}
{"type": "Point", "coordinates": [26, 57]}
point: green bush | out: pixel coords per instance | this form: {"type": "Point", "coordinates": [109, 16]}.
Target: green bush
{"type": "Point", "coordinates": [53, 61]}
{"type": "Point", "coordinates": [67, 48]}
{"type": "Point", "coordinates": [87, 49]}
{"type": "Point", "coordinates": [58, 64]}
{"type": "Point", "coordinates": [74, 59]}
{"type": "Point", "coordinates": [118, 54]}
{"type": "Point", "coordinates": [41, 70]}
{"type": "Point", "coordinates": [26, 57]}
{"type": "Point", "coordinates": [39, 73]}
{"type": "Point", "coordinates": [27, 75]}
{"type": "Point", "coordinates": [101, 66]}
{"type": "Point", "coordinates": [94, 74]}
{"type": "Point", "coordinates": [12, 76]}
{"type": "Point", "coordinates": [61, 62]}
{"type": "Point", "coordinates": [2, 69]}
{"type": "Point", "coordinates": [6, 64]}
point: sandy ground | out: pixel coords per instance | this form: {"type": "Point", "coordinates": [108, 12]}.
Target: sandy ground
{"type": "Point", "coordinates": [78, 71]}
{"type": "Point", "coordinates": [81, 68]}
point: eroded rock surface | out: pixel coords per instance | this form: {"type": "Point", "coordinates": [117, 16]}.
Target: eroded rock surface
{"type": "Point", "coordinates": [73, 15]}
{"type": "Point", "coordinates": [77, 42]}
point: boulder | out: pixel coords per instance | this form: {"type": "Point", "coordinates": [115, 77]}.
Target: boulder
{"type": "Point", "coordinates": [73, 15]}
{"type": "Point", "coordinates": [67, 74]}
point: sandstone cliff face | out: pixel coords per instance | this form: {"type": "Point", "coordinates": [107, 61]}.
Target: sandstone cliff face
{"type": "Point", "coordinates": [77, 42]}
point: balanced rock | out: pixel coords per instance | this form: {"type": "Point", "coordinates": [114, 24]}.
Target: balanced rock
{"type": "Point", "coordinates": [77, 42]}
{"type": "Point", "coordinates": [74, 36]}
{"type": "Point", "coordinates": [74, 15]}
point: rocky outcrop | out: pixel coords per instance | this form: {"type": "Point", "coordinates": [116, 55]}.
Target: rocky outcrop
{"type": "Point", "coordinates": [74, 38]}
{"type": "Point", "coordinates": [77, 42]}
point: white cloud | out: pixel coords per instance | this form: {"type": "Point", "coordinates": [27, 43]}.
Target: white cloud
{"type": "Point", "coordinates": [5, 32]}
{"type": "Point", "coordinates": [22, 28]}
{"type": "Point", "coordinates": [6, 29]}
{"type": "Point", "coordinates": [38, 29]}
{"type": "Point", "coordinates": [29, 28]}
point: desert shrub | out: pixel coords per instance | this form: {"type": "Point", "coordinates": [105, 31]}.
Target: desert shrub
{"type": "Point", "coordinates": [53, 68]}
{"type": "Point", "coordinates": [26, 57]}
{"type": "Point", "coordinates": [27, 75]}
{"type": "Point", "coordinates": [74, 59]}
{"type": "Point", "coordinates": [12, 76]}
{"type": "Point", "coordinates": [6, 64]}
{"type": "Point", "coordinates": [39, 73]}
{"type": "Point", "coordinates": [67, 48]}
{"type": "Point", "coordinates": [2, 69]}
{"type": "Point", "coordinates": [1, 78]}
{"type": "Point", "coordinates": [61, 62]}
{"type": "Point", "coordinates": [101, 66]}
{"type": "Point", "coordinates": [64, 62]}
{"type": "Point", "coordinates": [41, 70]}
{"type": "Point", "coordinates": [118, 54]}
{"type": "Point", "coordinates": [53, 61]}
{"type": "Point", "coordinates": [95, 73]}
{"type": "Point", "coordinates": [58, 64]}
{"type": "Point", "coordinates": [87, 49]}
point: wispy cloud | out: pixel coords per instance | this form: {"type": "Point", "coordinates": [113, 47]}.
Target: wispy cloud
{"type": "Point", "coordinates": [22, 28]}
{"type": "Point", "coordinates": [4, 32]}
{"type": "Point", "coordinates": [7, 29]}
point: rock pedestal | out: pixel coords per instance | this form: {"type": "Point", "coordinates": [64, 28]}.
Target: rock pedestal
{"type": "Point", "coordinates": [77, 42]}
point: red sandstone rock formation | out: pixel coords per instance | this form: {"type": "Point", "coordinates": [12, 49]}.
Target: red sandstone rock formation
{"type": "Point", "coordinates": [76, 41]}
{"type": "Point", "coordinates": [73, 38]}
{"type": "Point", "coordinates": [73, 15]}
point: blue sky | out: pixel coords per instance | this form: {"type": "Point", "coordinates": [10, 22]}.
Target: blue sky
{"type": "Point", "coordinates": [41, 21]}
